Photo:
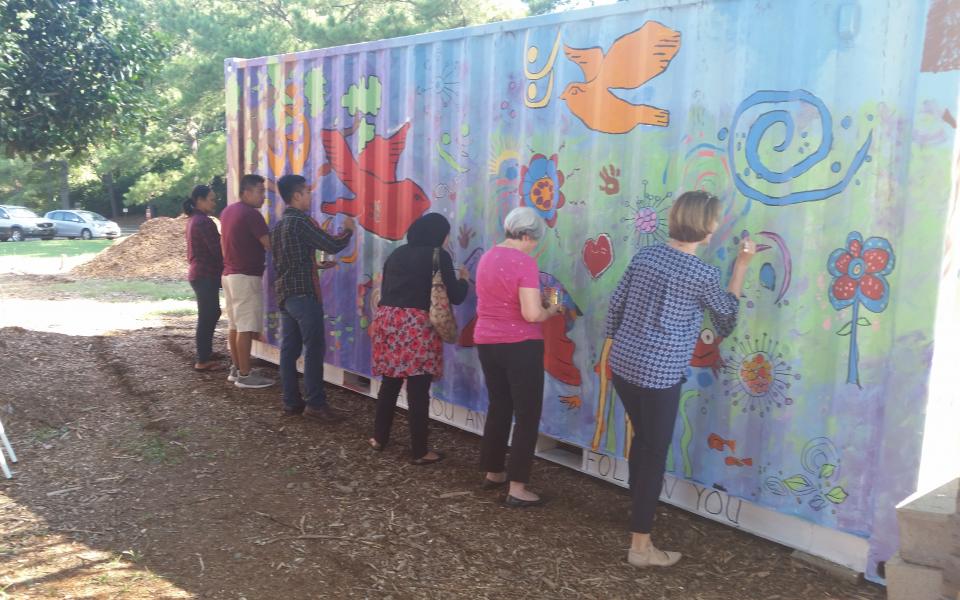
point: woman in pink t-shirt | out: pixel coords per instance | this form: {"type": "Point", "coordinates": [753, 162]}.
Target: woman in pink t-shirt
{"type": "Point", "coordinates": [509, 340]}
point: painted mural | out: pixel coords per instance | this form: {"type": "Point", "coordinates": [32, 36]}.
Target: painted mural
{"type": "Point", "coordinates": [833, 152]}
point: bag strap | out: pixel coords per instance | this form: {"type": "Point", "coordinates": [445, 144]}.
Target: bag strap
{"type": "Point", "coordinates": [436, 260]}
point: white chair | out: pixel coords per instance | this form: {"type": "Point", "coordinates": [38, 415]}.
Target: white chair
{"type": "Point", "coordinates": [9, 449]}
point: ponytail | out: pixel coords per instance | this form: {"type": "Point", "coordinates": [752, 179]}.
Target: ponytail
{"type": "Point", "coordinates": [190, 204]}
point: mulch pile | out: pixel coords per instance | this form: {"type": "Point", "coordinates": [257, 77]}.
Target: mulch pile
{"type": "Point", "coordinates": [157, 251]}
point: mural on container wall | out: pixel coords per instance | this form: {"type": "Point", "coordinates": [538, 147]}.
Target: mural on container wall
{"type": "Point", "coordinates": [598, 128]}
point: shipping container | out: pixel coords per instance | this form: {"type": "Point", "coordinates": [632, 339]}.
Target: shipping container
{"type": "Point", "coordinates": [826, 127]}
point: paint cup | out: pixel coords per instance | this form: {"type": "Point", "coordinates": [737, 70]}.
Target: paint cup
{"type": "Point", "coordinates": [553, 296]}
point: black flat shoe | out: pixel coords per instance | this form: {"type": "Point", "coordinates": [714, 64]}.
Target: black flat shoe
{"type": "Point", "coordinates": [375, 445]}
{"type": "Point", "coordinates": [512, 502]}
{"type": "Point", "coordinates": [428, 461]}
{"type": "Point", "coordinates": [489, 484]}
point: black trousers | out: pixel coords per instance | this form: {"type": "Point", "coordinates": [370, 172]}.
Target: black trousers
{"type": "Point", "coordinates": [653, 413]}
{"type": "Point", "coordinates": [514, 377]}
{"type": "Point", "coordinates": [207, 290]}
{"type": "Point", "coordinates": [418, 413]}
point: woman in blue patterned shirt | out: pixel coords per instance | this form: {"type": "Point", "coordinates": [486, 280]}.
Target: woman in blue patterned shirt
{"type": "Point", "coordinates": [653, 324]}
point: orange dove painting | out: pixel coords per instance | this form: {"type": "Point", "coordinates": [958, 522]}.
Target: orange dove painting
{"type": "Point", "coordinates": [632, 60]}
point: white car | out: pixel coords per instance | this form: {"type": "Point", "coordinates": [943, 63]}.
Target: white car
{"type": "Point", "coordinates": [18, 223]}
{"type": "Point", "coordinates": [83, 224]}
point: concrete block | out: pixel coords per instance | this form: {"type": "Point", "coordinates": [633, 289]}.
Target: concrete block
{"type": "Point", "coordinates": [906, 581]}
{"type": "Point", "coordinates": [926, 522]}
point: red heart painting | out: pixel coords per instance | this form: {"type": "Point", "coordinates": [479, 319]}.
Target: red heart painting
{"type": "Point", "coordinates": [598, 255]}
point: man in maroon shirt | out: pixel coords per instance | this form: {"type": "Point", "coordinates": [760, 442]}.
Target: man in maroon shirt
{"type": "Point", "coordinates": [245, 242]}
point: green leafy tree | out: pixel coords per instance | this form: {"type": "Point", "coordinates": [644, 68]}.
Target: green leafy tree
{"type": "Point", "coordinates": [71, 70]}
{"type": "Point", "coordinates": [34, 185]}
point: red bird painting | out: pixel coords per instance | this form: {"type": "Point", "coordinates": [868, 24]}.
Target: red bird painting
{"type": "Point", "coordinates": [381, 204]}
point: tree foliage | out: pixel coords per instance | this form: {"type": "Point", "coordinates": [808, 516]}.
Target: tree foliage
{"type": "Point", "coordinates": [72, 69]}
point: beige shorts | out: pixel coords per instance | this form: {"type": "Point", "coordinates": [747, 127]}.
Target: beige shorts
{"type": "Point", "coordinates": [244, 300]}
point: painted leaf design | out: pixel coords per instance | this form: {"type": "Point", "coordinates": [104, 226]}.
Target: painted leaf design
{"type": "Point", "coordinates": [837, 495]}
{"type": "Point", "coordinates": [845, 330]}
{"type": "Point", "coordinates": [827, 470]}
{"type": "Point", "coordinates": [799, 484]}
{"type": "Point", "coordinates": [863, 322]}
{"type": "Point", "coordinates": [775, 486]}
{"type": "Point", "coordinates": [817, 502]}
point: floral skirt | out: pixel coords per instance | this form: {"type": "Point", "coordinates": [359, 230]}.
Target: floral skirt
{"type": "Point", "coordinates": [405, 343]}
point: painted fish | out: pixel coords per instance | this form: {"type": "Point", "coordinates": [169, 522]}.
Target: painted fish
{"type": "Point", "coordinates": [382, 205]}
{"type": "Point", "coordinates": [733, 461]}
{"type": "Point", "coordinates": [715, 442]}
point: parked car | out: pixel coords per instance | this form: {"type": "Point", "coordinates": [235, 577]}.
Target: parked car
{"type": "Point", "coordinates": [17, 223]}
{"type": "Point", "coordinates": [83, 224]}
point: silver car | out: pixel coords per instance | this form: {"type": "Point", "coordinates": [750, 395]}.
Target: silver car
{"type": "Point", "coordinates": [83, 224]}
{"type": "Point", "coordinates": [17, 223]}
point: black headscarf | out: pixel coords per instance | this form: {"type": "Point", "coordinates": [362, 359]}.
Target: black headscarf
{"type": "Point", "coordinates": [429, 230]}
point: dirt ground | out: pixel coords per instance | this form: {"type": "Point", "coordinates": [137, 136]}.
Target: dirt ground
{"type": "Point", "coordinates": [139, 478]}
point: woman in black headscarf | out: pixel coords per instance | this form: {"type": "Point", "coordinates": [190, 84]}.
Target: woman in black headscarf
{"type": "Point", "coordinates": [405, 344]}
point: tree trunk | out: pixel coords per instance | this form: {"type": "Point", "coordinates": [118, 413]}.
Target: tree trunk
{"type": "Point", "coordinates": [64, 184]}
{"type": "Point", "coordinates": [114, 204]}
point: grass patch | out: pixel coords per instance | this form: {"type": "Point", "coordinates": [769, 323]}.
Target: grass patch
{"type": "Point", "coordinates": [45, 434]}
{"type": "Point", "coordinates": [174, 312]}
{"type": "Point", "coordinates": [158, 451]}
{"type": "Point", "coordinates": [53, 248]}
{"type": "Point", "coordinates": [112, 290]}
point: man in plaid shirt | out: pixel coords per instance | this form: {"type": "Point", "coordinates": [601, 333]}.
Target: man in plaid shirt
{"type": "Point", "coordinates": [295, 242]}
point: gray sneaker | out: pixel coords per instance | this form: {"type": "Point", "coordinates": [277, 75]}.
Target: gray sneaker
{"type": "Point", "coordinates": [232, 377]}
{"type": "Point", "coordinates": [253, 381]}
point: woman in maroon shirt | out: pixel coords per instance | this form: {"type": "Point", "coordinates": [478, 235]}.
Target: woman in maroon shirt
{"type": "Point", "coordinates": [206, 266]}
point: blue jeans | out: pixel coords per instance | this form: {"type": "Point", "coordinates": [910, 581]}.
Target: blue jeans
{"type": "Point", "coordinates": [301, 322]}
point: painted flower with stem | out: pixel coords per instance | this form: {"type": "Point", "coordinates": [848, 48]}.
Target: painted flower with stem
{"type": "Point", "coordinates": [859, 273]}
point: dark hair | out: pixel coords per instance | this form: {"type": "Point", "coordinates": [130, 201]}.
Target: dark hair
{"type": "Point", "coordinates": [429, 230]}
{"type": "Point", "coordinates": [199, 192]}
{"type": "Point", "coordinates": [250, 180]}
{"type": "Point", "coordinates": [290, 185]}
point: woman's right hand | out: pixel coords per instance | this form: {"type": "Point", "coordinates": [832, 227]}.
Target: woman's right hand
{"type": "Point", "coordinates": [748, 250]}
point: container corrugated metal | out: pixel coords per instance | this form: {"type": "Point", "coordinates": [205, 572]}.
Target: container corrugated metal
{"type": "Point", "coordinates": [826, 127]}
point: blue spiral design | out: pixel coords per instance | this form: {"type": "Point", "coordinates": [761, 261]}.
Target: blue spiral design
{"type": "Point", "coordinates": [778, 116]}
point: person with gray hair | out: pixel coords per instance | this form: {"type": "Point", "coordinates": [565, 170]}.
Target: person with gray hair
{"type": "Point", "coordinates": [524, 220]}
{"type": "Point", "coordinates": [509, 338]}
